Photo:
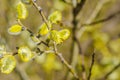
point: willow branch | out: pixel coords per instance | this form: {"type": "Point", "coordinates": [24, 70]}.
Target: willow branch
{"type": "Point", "coordinates": [32, 34]}
{"type": "Point", "coordinates": [39, 8]}
{"type": "Point", "coordinates": [91, 67]}
{"type": "Point", "coordinates": [39, 42]}
{"type": "Point", "coordinates": [78, 8]}
{"type": "Point", "coordinates": [24, 27]}
{"type": "Point", "coordinates": [65, 62]}
{"type": "Point", "coordinates": [82, 59]}
{"type": "Point", "coordinates": [75, 12]}
{"type": "Point", "coordinates": [42, 42]}
{"type": "Point", "coordinates": [103, 20]}
{"type": "Point", "coordinates": [97, 9]}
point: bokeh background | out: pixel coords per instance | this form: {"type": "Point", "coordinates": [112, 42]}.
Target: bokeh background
{"type": "Point", "coordinates": [103, 36]}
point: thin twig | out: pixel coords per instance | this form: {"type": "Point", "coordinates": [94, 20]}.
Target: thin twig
{"type": "Point", "coordinates": [65, 62]}
{"type": "Point", "coordinates": [110, 72]}
{"type": "Point", "coordinates": [79, 46]}
{"type": "Point", "coordinates": [97, 9]}
{"type": "Point", "coordinates": [24, 27]}
{"type": "Point", "coordinates": [66, 2]}
{"type": "Point", "coordinates": [91, 67]}
{"type": "Point", "coordinates": [102, 20]}
{"type": "Point", "coordinates": [39, 8]}
{"type": "Point", "coordinates": [32, 34]}
{"type": "Point", "coordinates": [15, 53]}
{"type": "Point", "coordinates": [82, 59]}
{"type": "Point", "coordinates": [78, 8]}
{"type": "Point", "coordinates": [42, 42]}
{"type": "Point", "coordinates": [39, 42]}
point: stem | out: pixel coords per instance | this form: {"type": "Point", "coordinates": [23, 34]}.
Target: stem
{"type": "Point", "coordinates": [42, 42]}
{"type": "Point", "coordinates": [103, 20]}
{"type": "Point", "coordinates": [39, 8]}
{"type": "Point", "coordinates": [82, 59]}
{"type": "Point", "coordinates": [73, 58]}
{"type": "Point", "coordinates": [91, 67]}
{"type": "Point", "coordinates": [66, 2]}
{"type": "Point", "coordinates": [65, 62]}
{"type": "Point", "coordinates": [97, 9]}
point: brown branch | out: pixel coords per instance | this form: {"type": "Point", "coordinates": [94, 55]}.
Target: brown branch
{"type": "Point", "coordinates": [91, 67]}
{"type": "Point", "coordinates": [110, 72]}
{"type": "Point", "coordinates": [75, 12]}
{"type": "Point", "coordinates": [24, 27]}
{"type": "Point", "coordinates": [15, 53]}
{"type": "Point", "coordinates": [79, 46]}
{"type": "Point", "coordinates": [42, 42]}
{"type": "Point", "coordinates": [78, 8]}
{"type": "Point", "coordinates": [103, 20]}
{"type": "Point", "coordinates": [32, 35]}
{"type": "Point", "coordinates": [96, 10]}
{"type": "Point", "coordinates": [39, 8]}
{"type": "Point", "coordinates": [65, 62]}
{"type": "Point", "coordinates": [82, 59]}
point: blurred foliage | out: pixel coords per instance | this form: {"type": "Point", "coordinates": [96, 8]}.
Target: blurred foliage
{"type": "Point", "coordinates": [49, 62]}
